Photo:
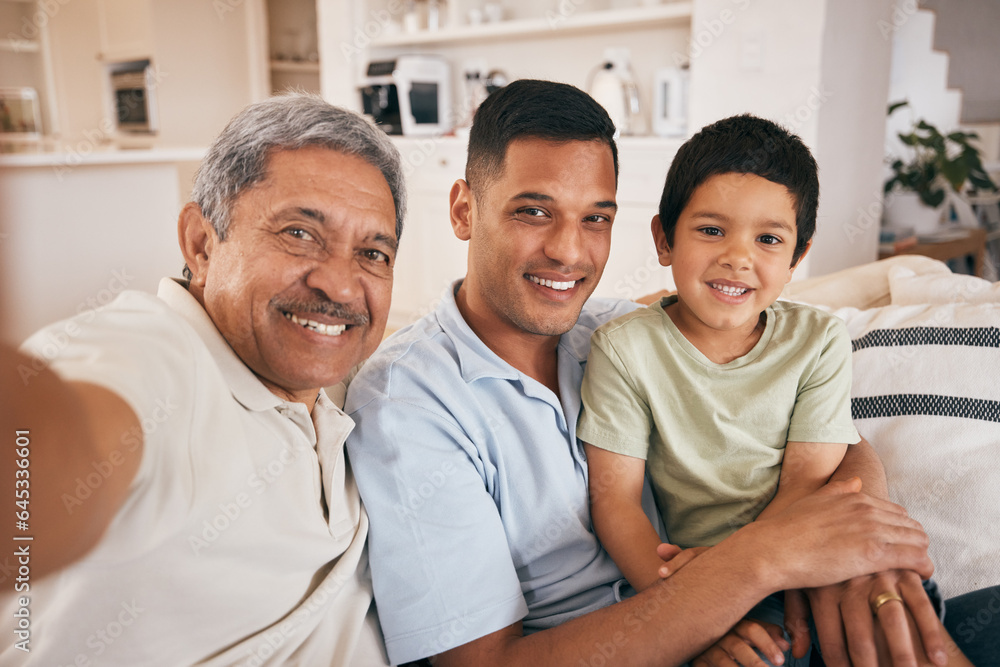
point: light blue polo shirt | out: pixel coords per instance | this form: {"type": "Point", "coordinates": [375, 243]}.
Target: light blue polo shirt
{"type": "Point", "coordinates": [475, 485]}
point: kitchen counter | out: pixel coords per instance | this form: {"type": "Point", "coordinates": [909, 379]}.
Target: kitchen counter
{"type": "Point", "coordinates": [69, 156]}
{"type": "Point", "coordinates": [80, 225]}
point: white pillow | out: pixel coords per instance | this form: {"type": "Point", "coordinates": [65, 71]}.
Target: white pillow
{"type": "Point", "coordinates": [907, 288]}
{"type": "Point", "coordinates": [926, 395]}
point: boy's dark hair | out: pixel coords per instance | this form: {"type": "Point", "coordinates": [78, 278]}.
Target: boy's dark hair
{"type": "Point", "coordinates": [744, 144]}
{"type": "Point", "coordinates": [529, 108]}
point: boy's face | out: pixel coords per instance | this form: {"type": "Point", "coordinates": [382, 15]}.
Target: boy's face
{"type": "Point", "coordinates": [732, 253]}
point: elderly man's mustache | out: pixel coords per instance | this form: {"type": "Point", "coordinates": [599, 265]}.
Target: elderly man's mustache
{"type": "Point", "coordinates": [323, 306]}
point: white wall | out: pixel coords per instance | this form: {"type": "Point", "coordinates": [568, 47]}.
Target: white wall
{"type": "Point", "coordinates": [203, 54]}
{"type": "Point", "coordinates": [851, 133]}
{"type": "Point", "coordinates": [819, 68]}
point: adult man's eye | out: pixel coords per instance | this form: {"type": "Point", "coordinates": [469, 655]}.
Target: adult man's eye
{"type": "Point", "coordinates": [377, 256]}
{"type": "Point", "coordinates": [299, 234]}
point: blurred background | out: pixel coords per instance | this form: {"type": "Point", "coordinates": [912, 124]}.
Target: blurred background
{"type": "Point", "coordinates": [106, 107]}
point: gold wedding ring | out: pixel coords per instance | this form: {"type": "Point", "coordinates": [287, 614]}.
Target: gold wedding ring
{"type": "Point", "coordinates": [882, 599]}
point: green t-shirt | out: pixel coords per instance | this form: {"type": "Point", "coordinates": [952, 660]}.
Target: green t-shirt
{"type": "Point", "coordinates": [713, 435]}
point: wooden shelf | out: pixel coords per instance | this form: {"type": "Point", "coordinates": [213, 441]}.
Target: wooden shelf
{"type": "Point", "coordinates": [299, 66]}
{"type": "Point", "coordinates": [580, 22]}
{"type": "Point", "coordinates": [973, 244]}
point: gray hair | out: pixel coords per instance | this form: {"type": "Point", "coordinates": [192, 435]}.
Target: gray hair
{"type": "Point", "coordinates": [238, 158]}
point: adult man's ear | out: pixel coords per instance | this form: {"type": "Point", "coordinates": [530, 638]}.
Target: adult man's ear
{"type": "Point", "coordinates": [197, 239]}
{"type": "Point", "coordinates": [660, 240]}
{"type": "Point", "coordinates": [461, 203]}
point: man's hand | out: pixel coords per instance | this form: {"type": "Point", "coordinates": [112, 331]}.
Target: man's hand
{"type": "Point", "coordinates": [841, 533]}
{"type": "Point", "coordinates": [846, 627]}
{"type": "Point", "coordinates": [739, 646]}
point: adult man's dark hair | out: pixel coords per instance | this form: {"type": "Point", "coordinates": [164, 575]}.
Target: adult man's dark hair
{"type": "Point", "coordinates": [531, 109]}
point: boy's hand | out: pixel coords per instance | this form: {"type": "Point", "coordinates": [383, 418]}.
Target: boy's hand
{"type": "Point", "coordinates": [675, 558]}
{"type": "Point", "coordinates": [797, 621]}
{"type": "Point", "coordinates": [738, 646]}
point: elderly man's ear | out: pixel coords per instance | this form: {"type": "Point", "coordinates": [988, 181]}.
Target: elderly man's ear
{"type": "Point", "coordinates": [197, 240]}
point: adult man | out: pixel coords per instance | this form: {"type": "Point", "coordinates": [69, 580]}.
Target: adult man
{"type": "Point", "coordinates": [481, 545]}
{"type": "Point", "coordinates": [211, 488]}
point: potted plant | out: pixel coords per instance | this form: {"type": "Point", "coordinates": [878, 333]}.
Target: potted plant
{"type": "Point", "coordinates": [917, 191]}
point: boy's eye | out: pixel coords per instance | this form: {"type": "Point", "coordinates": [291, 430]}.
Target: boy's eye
{"type": "Point", "coordinates": [711, 231]}
{"type": "Point", "coordinates": [769, 239]}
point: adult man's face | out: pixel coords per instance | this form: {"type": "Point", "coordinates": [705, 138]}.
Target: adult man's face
{"type": "Point", "coordinates": [300, 287]}
{"type": "Point", "coordinates": [539, 235]}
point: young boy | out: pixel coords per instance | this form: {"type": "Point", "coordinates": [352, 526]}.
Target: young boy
{"type": "Point", "coordinates": [737, 404]}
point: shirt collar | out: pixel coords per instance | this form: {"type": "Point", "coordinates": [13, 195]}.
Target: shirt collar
{"type": "Point", "coordinates": [244, 385]}
{"type": "Point", "coordinates": [475, 359]}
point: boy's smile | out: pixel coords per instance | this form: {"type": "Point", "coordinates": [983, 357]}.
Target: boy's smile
{"type": "Point", "coordinates": [731, 257]}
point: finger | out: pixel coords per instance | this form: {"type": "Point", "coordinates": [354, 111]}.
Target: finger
{"type": "Point", "coordinates": [797, 621]}
{"type": "Point", "coordinates": [929, 627]}
{"type": "Point", "coordinates": [666, 551]}
{"type": "Point", "coordinates": [743, 654]}
{"type": "Point", "coordinates": [825, 604]}
{"type": "Point", "coordinates": [716, 656]}
{"type": "Point", "coordinates": [757, 636]}
{"type": "Point", "coordinates": [679, 561]}
{"type": "Point", "coordinates": [892, 622]}
{"type": "Point", "coordinates": [859, 624]}
{"type": "Point", "coordinates": [852, 485]}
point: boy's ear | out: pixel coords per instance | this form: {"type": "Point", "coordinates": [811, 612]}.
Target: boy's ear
{"type": "Point", "coordinates": [797, 264]}
{"type": "Point", "coordinates": [660, 241]}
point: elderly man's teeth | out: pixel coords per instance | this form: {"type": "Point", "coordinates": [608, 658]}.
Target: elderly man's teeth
{"type": "Point", "coordinates": [730, 291]}
{"type": "Point", "coordinates": [318, 327]}
{"type": "Point", "coordinates": [556, 285]}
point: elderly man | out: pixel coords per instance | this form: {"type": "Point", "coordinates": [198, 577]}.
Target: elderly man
{"type": "Point", "coordinates": [187, 473]}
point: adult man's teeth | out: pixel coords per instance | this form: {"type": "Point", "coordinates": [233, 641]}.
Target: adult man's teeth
{"type": "Point", "coordinates": [554, 284]}
{"type": "Point", "coordinates": [318, 327]}
{"type": "Point", "coordinates": [730, 291]}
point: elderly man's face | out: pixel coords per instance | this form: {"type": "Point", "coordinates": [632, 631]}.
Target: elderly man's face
{"type": "Point", "coordinates": [300, 288]}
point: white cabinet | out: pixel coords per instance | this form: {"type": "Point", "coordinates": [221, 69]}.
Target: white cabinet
{"type": "Point", "coordinates": [293, 45]}
{"type": "Point", "coordinates": [126, 29]}
{"type": "Point", "coordinates": [25, 54]}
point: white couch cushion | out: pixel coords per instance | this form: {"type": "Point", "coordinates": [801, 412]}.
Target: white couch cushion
{"type": "Point", "coordinates": [907, 288]}
{"type": "Point", "coordinates": [926, 394]}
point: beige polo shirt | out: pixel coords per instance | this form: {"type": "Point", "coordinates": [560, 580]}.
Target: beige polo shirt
{"type": "Point", "coordinates": [243, 537]}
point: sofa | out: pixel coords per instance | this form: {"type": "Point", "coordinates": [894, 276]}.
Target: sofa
{"type": "Point", "coordinates": [926, 395]}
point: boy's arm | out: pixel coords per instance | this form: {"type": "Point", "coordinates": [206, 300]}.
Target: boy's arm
{"type": "Point", "coordinates": [806, 467]}
{"type": "Point", "coordinates": [616, 509]}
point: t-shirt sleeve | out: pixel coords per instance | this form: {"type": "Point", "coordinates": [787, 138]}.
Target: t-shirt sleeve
{"type": "Point", "coordinates": [615, 415]}
{"type": "Point", "coordinates": [822, 411]}
{"type": "Point", "coordinates": [441, 566]}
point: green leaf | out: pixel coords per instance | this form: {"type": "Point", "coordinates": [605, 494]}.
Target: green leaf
{"type": "Point", "coordinates": [897, 105]}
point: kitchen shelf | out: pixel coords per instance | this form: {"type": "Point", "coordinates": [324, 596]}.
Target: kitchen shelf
{"type": "Point", "coordinates": [19, 45]}
{"type": "Point", "coordinates": [578, 23]}
{"type": "Point", "coordinates": [300, 66]}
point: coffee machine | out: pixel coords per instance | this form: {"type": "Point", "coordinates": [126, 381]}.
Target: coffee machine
{"type": "Point", "coordinates": [409, 95]}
